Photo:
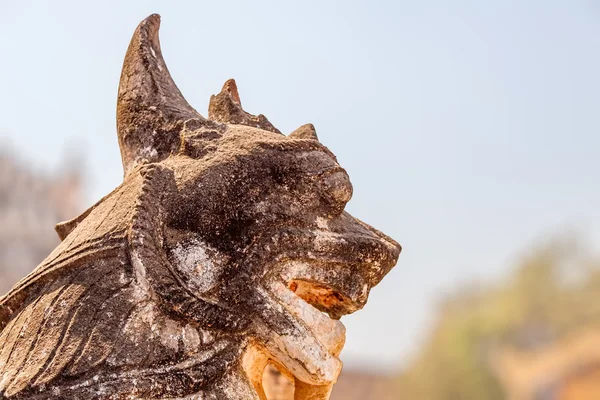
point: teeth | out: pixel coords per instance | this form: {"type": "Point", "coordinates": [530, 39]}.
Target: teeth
{"type": "Point", "coordinates": [331, 333]}
{"type": "Point", "coordinates": [310, 353]}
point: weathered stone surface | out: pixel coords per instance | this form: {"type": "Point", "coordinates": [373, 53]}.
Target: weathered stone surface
{"type": "Point", "coordinates": [222, 251]}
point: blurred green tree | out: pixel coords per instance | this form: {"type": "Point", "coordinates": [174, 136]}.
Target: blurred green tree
{"type": "Point", "coordinates": [554, 291]}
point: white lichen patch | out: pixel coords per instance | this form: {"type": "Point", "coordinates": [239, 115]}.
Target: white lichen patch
{"type": "Point", "coordinates": [140, 275]}
{"type": "Point", "coordinates": [191, 339]}
{"type": "Point", "coordinates": [324, 239]}
{"type": "Point", "coordinates": [148, 152]}
{"type": "Point", "coordinates": [200, 265]}
{"type": "Point", "coordinates": [170, 333]}
{"type": "Point", "coordinates": [322, 223]}
{"type": "Point", "coordinates": [207, 336]}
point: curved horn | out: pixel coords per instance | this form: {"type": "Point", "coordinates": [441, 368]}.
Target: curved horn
{"type": "Point", "coordinates": [150, 108]}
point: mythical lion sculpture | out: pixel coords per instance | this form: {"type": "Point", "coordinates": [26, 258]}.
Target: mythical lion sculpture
{"type": "Point", "coordinates": [226, 248]}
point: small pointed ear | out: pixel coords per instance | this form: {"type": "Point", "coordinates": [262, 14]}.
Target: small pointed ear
{"type": "Point", "coordinates": [150, 108]}
{"type": "Point", "coordinates": [226, 107]}
{"type": "Point", "coordinates": [64, 228]}
{"type": "Point", "coordinates": [307, 131]}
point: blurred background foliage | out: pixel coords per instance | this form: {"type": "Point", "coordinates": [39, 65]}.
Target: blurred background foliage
{"type": "Point", "coordinates": [554, 292]}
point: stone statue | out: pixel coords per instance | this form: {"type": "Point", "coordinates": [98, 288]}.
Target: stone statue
{"type": "Point", "coordinates": [225, 249]}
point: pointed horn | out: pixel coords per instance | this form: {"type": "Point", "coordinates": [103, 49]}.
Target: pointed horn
{"type": "Point", "coordinates": [231, 87]}
{"type": "Point", "coordinates": [150, 108]}
{"type": "Point", "coordinates": [226, 107]}
{"type": "Point", "coordinates": [307, 131]}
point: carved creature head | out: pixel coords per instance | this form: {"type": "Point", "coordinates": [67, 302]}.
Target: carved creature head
{"type": "Point", "coordinates": [234, 227]}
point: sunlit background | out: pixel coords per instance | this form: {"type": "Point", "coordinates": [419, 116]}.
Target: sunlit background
{"type": "Point", "coordinates": [470, 130]}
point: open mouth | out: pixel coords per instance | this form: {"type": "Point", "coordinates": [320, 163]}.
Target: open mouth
{"type": "Point", "coordinates": [312, 290]}
{"type": "Point", "coordinates": [310, 296]}
{"type": "Point", "coordinates": [322, 297]}
{"type": "Point", "coordinates": [307, 354]}
{"type": "Point", "coordinates": [319, 307]}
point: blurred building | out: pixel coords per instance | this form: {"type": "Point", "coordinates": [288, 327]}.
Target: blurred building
{"type": "Point", "coordinates": [31, 203]}
{"type": "Point", "coordinates": [568, 369]}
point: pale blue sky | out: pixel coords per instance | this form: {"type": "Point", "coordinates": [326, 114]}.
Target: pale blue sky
{"type": "Point", "coordinates": [470, 129]}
